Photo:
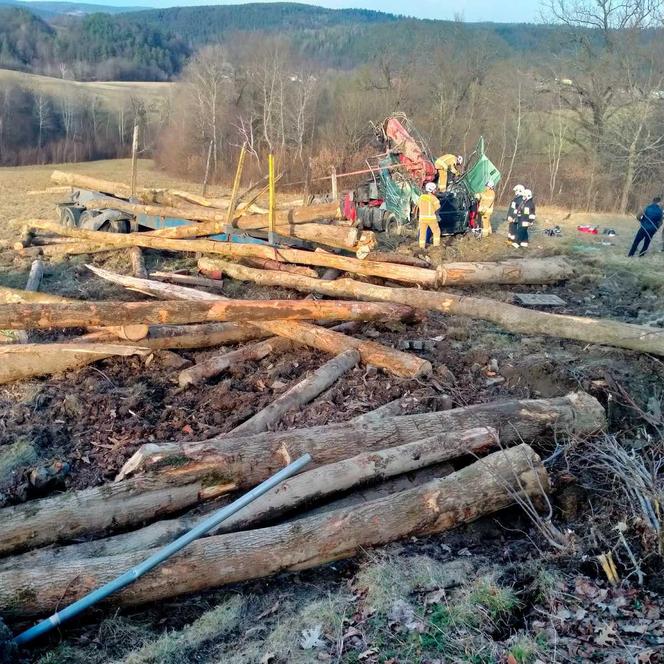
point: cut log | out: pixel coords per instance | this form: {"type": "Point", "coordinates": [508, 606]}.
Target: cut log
{"type": "Point", "coordinates": [35, 276]}
{"type": "Point", "coordinates": [214, 221]}
{"type": "Point", "coordinates": [173, 337]}
{"type": "Point", "coordinates": [482, 488]}
{"type": "Point", "coordinates": [253, 458]}
{"type": "Point", "coordinates": [101, 241]}
{"type": "Point", "coordinates": [269, 264]}
{"type": "Point", "coordinates": [92, 184]}
{"type": "Point", "coordinates": [402, 259]}
{"type": "Point", "coordinates": [138, 263]}
{"type": "Point", "coordinates": [508, 316]}
{"type": "Point", "coordinates": [96, 510]}
{"type": "Point", "coordinates": [90, 314]}
{"type": "Point", "coordinates": [217, 364]}
{"type": "Point", "coordinates": [29, 360]}
{"type": "Point", "coordinates": [308, 488]}
{"type": "Point", "coordinates": [16, 295]}
{"type": "Point", "coordinates": [187, 280]}
{"type": "Point", "coordinates": [300, 394]}
{"type": "Point", "coordinates": [395, 408]}
{"type": "Point", "coordinates": [394, 361]}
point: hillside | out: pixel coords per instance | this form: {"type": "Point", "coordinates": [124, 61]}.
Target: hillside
{"type": "Point", "coordinates": [50, 10]}
{"type": "Point", "coordinates": [154, 44]}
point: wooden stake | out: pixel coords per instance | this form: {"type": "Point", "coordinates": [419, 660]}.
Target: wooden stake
{"type": "Point", "coordinates": [236, 187]}
{"type": "Point", "coordinates": [134, 160]}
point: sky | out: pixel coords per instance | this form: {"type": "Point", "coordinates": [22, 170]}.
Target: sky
{"type": "Point", "coordinates": [522, 11]}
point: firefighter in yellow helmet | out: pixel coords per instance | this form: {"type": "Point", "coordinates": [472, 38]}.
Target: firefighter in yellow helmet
{"type": "Point", "coordinates": [428, 204]}
{"type": "Point", "coordinates": [448, 164]}
{"type": "Point", "coordinates": [485, 207]}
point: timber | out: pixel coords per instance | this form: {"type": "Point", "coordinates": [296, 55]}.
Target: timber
{"type": "Point", "coordinates": [48, 315]}
{"type": "Point", "coordinates": [35, 276]}
{"type": "Point", "coordinates": [18, 362]}
{"type": "Point", "coordinates": [269, 264]}
{"type": "Point", "coordinates": [512, 318]}
{"type": "Point", "coordinates": [308, 488]}
{"type": "Point", "coordinates": [187, 280]}
{"type": "Point", "coordinates": [16, 295]}
{"type": "Point", "coordinates": [301, 393]}
{"type": "Point", "coordinates": [94, 511]}
{"type": "Point", "coordinates": [138, 262]}
{"type": "Point", "coordinates": [329, 341]}
{"type": "Point", "coordinates": [100, 241]}
{"type": "Point", "coordinates": [482, 488]}
{"type": "Point", "coordinates": [253, 458]}
{"type": "Point", "coordinates": [219, 363]}
{"type": "Point", "coordinates": [93, 184]}
{"type": "Point", "coordinates": [215, 221]}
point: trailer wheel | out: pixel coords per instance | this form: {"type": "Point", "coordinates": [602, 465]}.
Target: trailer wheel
{"type": "Point", "coordinates": [393, 226]}
{"type": "Point", "coordinates": [69, 216]}
{"type": "Point", "coordinates": [115, 226]}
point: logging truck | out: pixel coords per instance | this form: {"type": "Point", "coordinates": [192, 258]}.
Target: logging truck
{"type": "Point", "coordinates": [387, 201]}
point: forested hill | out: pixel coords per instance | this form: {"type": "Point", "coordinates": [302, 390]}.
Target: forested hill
{"type": "Point", "coordinates": [155, 44]}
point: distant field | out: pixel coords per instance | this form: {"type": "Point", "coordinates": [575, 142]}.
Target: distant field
{"type": "Point", "coordinates": [112, 94]}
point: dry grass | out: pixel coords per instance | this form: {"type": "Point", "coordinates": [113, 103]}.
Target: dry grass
{"type": "Point", "coordinates": [111, 95]}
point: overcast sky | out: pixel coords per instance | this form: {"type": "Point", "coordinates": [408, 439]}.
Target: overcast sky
{"type": "Point", "coordinates": [469, 10]}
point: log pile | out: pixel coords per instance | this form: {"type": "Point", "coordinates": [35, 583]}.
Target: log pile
{"type": "Point", "coordinates": [483, 457]}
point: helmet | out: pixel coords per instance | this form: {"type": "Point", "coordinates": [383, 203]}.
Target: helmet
{"type": "Point", "coordinates": [490, 184]}
{"type": "Point", "coordinates": [527, 194]}
{"type": "Point", "coordinates": [459, 159]}
{"type": "Point", "coordinates": [430, 187]}
{"type": "Point", "coordinates": [519, 189]}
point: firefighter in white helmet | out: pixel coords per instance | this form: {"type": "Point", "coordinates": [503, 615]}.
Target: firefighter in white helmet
{"type": "Point", "coordinates": [428, 205]}
{"type": "Point", "coordinates": [449, 168]}
{"type": "Point", "coordinates": [525, 218]}
{"type": "Point", "coordinates": [485, 204]}
{"type": "Point", "coordinates": [513, 211]}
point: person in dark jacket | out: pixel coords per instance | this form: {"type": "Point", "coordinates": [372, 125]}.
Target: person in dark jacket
{"type": "Point", "coordinates": [650, 221]}
{"type": "Point", "coordinates": [513, 212]}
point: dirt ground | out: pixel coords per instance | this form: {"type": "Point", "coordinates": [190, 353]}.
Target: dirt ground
{"type": "Point", "coordinates": [495, 591]}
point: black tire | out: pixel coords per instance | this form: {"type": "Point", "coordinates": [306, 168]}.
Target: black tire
{"type": "Point", "coordinates": [70, 216]}
{"type": "Point", "coordinates": [393, 227]}
{"type": "Point", "coordinates": [117, 226]}
{"type": "Point", "coordinates": [378, 222]}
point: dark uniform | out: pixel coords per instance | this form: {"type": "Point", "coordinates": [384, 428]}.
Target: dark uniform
{"type": "Point", "coordinates": [650, 222]}
{"type": "Point", "coordinates": [512, 215]}
{"type": "Point", "coordinates": [525, 218]}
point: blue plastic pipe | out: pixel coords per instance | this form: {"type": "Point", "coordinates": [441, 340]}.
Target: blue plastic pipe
{"type": "Point", "coordinates": [150, 563]}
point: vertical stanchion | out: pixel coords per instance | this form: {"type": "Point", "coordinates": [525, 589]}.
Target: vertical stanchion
{"type": "Point", "coordinates": [207, 170]}
{"type": "Point", "coordinates": [271, 184]}
{"type": "Point", "coordinates": [134, 160]}
{"type": "Point", "coordinates": [335, 187]}
{"type": "Point", "coordinates": [236, 187]}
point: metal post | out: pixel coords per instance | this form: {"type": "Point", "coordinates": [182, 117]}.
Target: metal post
{"type": "Point", "coordinates": [134, 160]}
{"type": "Point", "coordinates": [271, 234]}
{"type": "Point", "coordinates": [156, 559]}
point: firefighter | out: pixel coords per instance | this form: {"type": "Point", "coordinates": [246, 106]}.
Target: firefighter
{"type": "Point", "coordinates": [650, 221]}
{"type": "Point", "coordinates": [448, 165]}
{"type": "Point", "coordinates": [485, 207]}
{"type": "Point", "coordinates": [428, 205]}
{"type": "Point", "coordinates": [525, 218]}
{"type": "Point", "coordinates": [513, 211]}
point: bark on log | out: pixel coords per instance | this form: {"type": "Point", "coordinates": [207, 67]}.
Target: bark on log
{"type": "Point", "coordinates": [187, 280]}
{"type": "Point", "coordinates": [214, 221]}
{"type": "Point", "coordinates": [508, 316]}
{"type": "Point", "coordinates": [217, 364]}
{"type": "Point", "coordinates": [101, 241]}
{"type": "Point", "coordinates": [93, 184]}
{"type": "Point", "coordinates": [35, 276]}
{"type": "Point", "coordinates": [253, 458]}
{"type": "Point", "coordinates": [138, 263]}
{"type": "Point", "coordinates": [302, 491]}
{"type": "Point", "coordinates": [90, 314]}
{"type": "Point", "coordinates": [96, 510]}
{"type": "Point", "coordinates": [479, 489]}
{"type": "Point", "coordinates": [173, 337]}
{"type": "Point", "coordinates": [402, 259]}
{"type": "Point", "coordinates": [302, 393]}
{"type": "Point", "coordinates": [398, 363]}
{"type": "Point", "coordinates": [269, 264]}
{"type": "Point", "coordinates": [18, 362]}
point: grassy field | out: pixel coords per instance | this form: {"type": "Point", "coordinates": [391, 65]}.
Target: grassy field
{"type": "Point", "coordinates": [113, 95]}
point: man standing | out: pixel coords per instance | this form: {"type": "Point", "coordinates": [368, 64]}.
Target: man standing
{"type": "Point", "coordinates": [513, 212]}
{"type": "Point", "coordinates": [448, 165]}
{"type": "Point", "coordinates": [485, 207]}
{"type": "Point", "coordinates": [428, 205]}
{"type": "Point", "coordinates": [525, 218]}
{"type": "Point", "coordinates": [650, 221]}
